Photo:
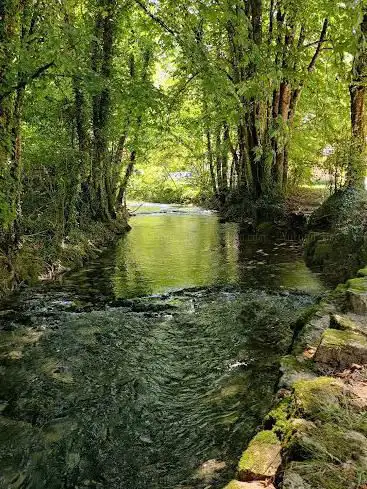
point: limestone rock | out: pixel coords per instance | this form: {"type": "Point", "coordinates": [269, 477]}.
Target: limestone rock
{"type": "Point", "coordinates": [292, 480]}
{"type": "Point", "coordinates": [311, 335]}
{"type": "Point", "coordinates": [314, 396]}
{"type": "Point", "coordinates": [342, 348]}
{"type": "Point", "coordinates": [293, 371]}
{"type": "Point", "coordinates": [357, 295]}
{"type": "Point", "coordinates": [349, 322]}
{"type": "Point", "coordinates": [249, 485]}
{"type": "Point", "coordinates": [262, 458]}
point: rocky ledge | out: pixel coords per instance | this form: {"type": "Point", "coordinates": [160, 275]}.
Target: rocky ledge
{"type": "Point", "coordinates": [316, 435]}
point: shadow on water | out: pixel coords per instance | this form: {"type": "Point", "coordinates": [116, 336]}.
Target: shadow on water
{"type": "Point", "coordinates": [162, 392]}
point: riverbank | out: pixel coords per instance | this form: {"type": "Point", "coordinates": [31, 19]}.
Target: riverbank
{"type": "Point", "coordinates": [316, 434]}
{"type": "Point", "coordinates": [39, 257]}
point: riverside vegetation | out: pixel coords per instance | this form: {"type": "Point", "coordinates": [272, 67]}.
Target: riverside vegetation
{"type": "Point", "coordinates": [153, 365]}
{"type": "Point", "coordinates": [230, 103]}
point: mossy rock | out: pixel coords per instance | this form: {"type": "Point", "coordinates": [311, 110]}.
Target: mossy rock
{"type": "Point", "coordinates": [311, 335]}
{"type": "Point", "coordinates": [357, 295]}
{"type": "Point", "coordinates": [346, 323]}
{"type": "Point", "coordinates": [262, 458]}
{"type": "Point", "coordinates": [336, 244]}
{"type": "Point", "coordinates": [278, 418]}
{"type": "Point", "coordinates": [327, 456]}
{"type": "Point", "coordinates": [315, 397]}
{"type": "Point", "coordinates": [358, 284]}
{"type": "Point", "coordinates": [346, 205]}
{"type": "Point", "coordinates": [293, 371]}
{"type": "Point", "coordinates": [248, 485]}
{"type": "Point", "coordinates": [362, 272]}
{"type": "Point", "coordinates": [292, 480]}
{"type": "Point", "coordinates": [342, 348]}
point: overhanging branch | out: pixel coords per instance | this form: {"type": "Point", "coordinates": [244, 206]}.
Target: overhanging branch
{"type": "Point", "coordinates": [24, 83]}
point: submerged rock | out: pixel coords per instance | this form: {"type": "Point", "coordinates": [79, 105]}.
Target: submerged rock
{"type": "Point", "coordinates": [209, 470]}
{"type": "Point", "coordinates": [262, 458]}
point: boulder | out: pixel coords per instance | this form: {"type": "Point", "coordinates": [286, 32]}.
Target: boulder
{"type": "Point", "coordinates": [293, 371]}
{"type": "Point", "coordinates": [349, 322]}
{"type": "Point", "coordinates": [310, 336]}
{"type": "Point", "coordinates": [313, 397]}
{"type": "Point", "coordinates": [342, 348]}
{"type": "Point", "coordinates": [357, 295]}
{"type": "Point", "coordinates": [262, 458]}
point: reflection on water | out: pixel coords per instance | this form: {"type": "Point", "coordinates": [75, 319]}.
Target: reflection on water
{"type": "Point", "coordinates": [141, 395]}
{"type": "Point", "coordinates": [168, 251]}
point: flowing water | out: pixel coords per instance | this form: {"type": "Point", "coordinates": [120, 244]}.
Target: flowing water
{"type": "Point", "coordinates": [152, 367]}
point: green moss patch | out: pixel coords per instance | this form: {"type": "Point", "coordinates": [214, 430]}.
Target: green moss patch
{"type": "Point", "coordinates": [262, 458]}
{"type": "Point", "coordinates": [315, 396]}
{"type": "Point", "coordinates": [362, 272]}
{"type": "Point", "coordinates": [341, 349]}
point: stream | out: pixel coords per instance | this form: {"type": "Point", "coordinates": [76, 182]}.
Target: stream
{"type": "Point", "coordinates": [153, 366]}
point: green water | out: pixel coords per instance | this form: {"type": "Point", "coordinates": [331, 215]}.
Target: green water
{"type": "Point", "coordinates": [100, 390]}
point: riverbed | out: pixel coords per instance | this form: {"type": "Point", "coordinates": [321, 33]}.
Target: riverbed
{"type": "Point", "coordinates": [153, 366]}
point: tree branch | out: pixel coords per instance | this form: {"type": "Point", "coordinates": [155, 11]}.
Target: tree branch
{"type": "Point", "coordinates": [24, 83]}
{"type": "Point", "coordinates": [312, 64]}
{"type": "Point", "coordinates": [156, 19]}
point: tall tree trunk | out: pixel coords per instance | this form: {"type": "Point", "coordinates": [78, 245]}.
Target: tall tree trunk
{"type": "Point", "coordinates": [102, 55]}
{"type": "Point", "coordinates": [357, 164]}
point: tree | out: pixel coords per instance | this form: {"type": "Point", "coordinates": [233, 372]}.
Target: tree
{"type": "Point", "coordinates": [357, 89]}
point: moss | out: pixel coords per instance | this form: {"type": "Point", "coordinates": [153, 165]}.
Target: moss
{"type": "Point", "coordinates": [316, 396]}
{"type": "Point", "coordinates": [358, 285]}
{"type": "Point", "coordinates": [290, 362]}
{"type": "Point", "coordinates": [279, 417]}
{"type": "Point", "coordinates": [362, 272]}
{"type": "Point", "coordinates": [250, 458]}
{"type": "Point", "coordinates": [343, 323]}
{"type": "Point", "coordinates": [340, 338]}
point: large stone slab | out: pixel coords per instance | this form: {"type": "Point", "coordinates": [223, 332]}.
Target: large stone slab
{"type": "Point", "coordinates": [262, 458]}
{"type": "Point", "coordinates": [342, 349]}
